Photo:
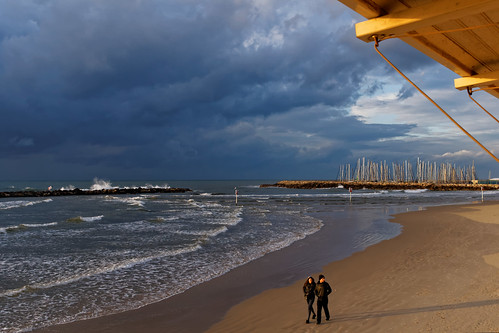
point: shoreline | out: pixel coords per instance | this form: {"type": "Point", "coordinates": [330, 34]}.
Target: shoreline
{"type": "Point", "coordinates": [359, 185]}
{"type": "Point", "coordinates": [440, 274]}
{"type": "Point", "coordinates": [203, 305]}
{"type": "Point", "coordinates": [265, 295]}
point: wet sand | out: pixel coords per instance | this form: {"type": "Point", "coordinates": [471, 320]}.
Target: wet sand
{"type": "Point", "coordinates": [441, 274]}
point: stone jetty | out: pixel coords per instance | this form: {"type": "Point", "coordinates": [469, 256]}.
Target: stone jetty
{"type": "Point", "coordinates": [76, 191]}
{"type": "Point", "coordinates": [356, 185]}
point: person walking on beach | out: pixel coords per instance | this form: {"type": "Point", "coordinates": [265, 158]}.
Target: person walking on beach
{"type": "Point", "coordinates": [322, 290]}
{"type": "Point", "coordinates": [309, 291]}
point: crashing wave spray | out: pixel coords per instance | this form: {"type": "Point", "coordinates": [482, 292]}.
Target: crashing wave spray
{"type": "Point", "coordinates": [100, 184]}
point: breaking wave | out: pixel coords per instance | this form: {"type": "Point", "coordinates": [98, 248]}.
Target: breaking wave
{"type": "Point", "coordinates": [21, 203]}
{"type": "Point", "coordinates": [80, 219]}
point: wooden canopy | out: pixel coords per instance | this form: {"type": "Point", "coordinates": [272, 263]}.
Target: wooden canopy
{"type": "Point", "coordinates": [461, 35]}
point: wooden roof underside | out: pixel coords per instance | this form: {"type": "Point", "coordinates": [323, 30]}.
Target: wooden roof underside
{"type": "Point", "coordinates": [472, 54]}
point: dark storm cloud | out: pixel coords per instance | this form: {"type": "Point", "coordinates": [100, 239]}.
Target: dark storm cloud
{"type": "Point", "coordinates": [183, 88]}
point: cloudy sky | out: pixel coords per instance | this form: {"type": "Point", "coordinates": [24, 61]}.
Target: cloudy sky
{"type": "Point", "coordinates": [216, 89]}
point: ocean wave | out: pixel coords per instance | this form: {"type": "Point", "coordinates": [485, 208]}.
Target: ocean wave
{"type": "Point", "coordinates": [491, 192]}
{"type": "Point", "coordinates": [230, 218]}
{"type": "Point", "coordinates": [132, 201]}
{"type": "Point", "coordinates": [40, 225]}
{"type": "Point", "coordinates": [109, 268]}
{"type": "Point", "coordinates": [92, 218]}
{"type": "Point", "coordinates": [14, 228]}
{"type": "Point", "coordinates": [208, 233]}
{"type": "Point", "coordinates": [416, 191]}
{"type": "Point", "coordinates": [203, 204]}
{"type": "Point", "coordinates": [21, 203]}
{"type": "Point", "coordinates": [15, 292]}
{"type": "Point", "coordinates": [161, 219]}
{"type": "Point", "coordinates": [80, 219]}
{"type": "Point", "coordinates": [235, 219]}
{"type": "Point", "coordinates": [158, 219]}
{"type": "Point", "coordinates": [23, 226]}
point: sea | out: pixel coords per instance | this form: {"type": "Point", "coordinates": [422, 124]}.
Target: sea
{"type": "Point", "coordinates": [71, 258]}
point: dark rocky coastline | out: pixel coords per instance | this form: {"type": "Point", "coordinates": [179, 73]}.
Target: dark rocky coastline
{"type": "Point", "coordinates": [76, 191]}
{"type": "Point", "coordinates": [354, 185]}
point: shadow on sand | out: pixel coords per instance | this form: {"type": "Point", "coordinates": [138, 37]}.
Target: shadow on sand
{"type": "Point", "coordinates": [388, 313]}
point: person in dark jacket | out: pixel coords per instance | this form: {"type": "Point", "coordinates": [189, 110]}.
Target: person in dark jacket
{"type": "Point", "coordinates": [309, 291]}
{"type": "Point", "coordinates": [322, 290]}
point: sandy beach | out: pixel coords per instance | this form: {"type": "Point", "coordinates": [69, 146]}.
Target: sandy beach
{"type": "Point", "coordinates": [441, 274]}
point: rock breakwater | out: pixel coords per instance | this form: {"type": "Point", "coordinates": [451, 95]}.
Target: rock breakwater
{"type": "Point", "coordinates": [312, 184]}
{"type": "Point", "coordinates": [76, 191]}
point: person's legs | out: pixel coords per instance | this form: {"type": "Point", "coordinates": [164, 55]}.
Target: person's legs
{"type": "Point", "coordinates": [326, 310]}
{"type": "Point", "coordinates": [319, 310]}
{"type": "Point", "coordinates": [310, 302]}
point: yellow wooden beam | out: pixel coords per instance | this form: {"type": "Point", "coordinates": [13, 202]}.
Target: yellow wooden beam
{"type": "Point", "coordinates": [367, 8]}
{"type": "Point", "coordinates": [430, 13]}
{"type": "Point", "coordinates": [479, 80]}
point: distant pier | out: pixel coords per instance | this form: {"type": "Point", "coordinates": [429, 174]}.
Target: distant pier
{"type": "Point", "coordinates": [358, 185]}
{"type": "Point", "coordinates": [76, 191]}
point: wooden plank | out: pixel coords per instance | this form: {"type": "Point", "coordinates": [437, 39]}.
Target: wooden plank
{"type": "Point", "coordinates": [479, 80]}
{"type": "Point", "coordinates": [367, 8]}
{"type": "Point", "coordinates": [430, 13]}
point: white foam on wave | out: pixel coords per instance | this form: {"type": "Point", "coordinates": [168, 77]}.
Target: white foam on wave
{"type": "Point", "coordinates": [132, 201]}
{"type": "Point", "coordinates": [158, 219]}
{"type": "Point", "coordinates": [147, 186]}
{"type": "Point", "coordinates": [14, 292]}
{"type": "Point", "coordinates": [92, 218]}
{"type": "Point", "coordinates": [109, 268]}
{"type": "Point", "coordinates": [207, 233]}
{"type": "Point", "coordinates": [416, 191]}
{"type": "Point", "coordinates": [79, 219]}
{"type": "Point", "coordinates": [194, 203]}
{"type": "Point", "coordinates": [40, 225]}
{"type": "Point", "coordinates": [203, 204]}
{"type": "Point", "coordinates": [21, 203]}
{"type": "Point", "coordinates": [234, 219]}
{"type": "Point", "coordinates": [314, 226]}
{"type": "Point", "coordinates": [230, 218]}
{"type": "Point", "coordinates": [24, 226]}
{"type": "Point", "coordinates": [490, 192]}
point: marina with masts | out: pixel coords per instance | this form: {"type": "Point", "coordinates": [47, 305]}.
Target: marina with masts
{"type": "Point", "coordinates": [404, 172]}
{"type": "Point", "coordinates": [368, 174]}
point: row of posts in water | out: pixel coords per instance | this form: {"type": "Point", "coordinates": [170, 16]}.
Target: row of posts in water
{"type": "Point", "coordinates": [423, 172]}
